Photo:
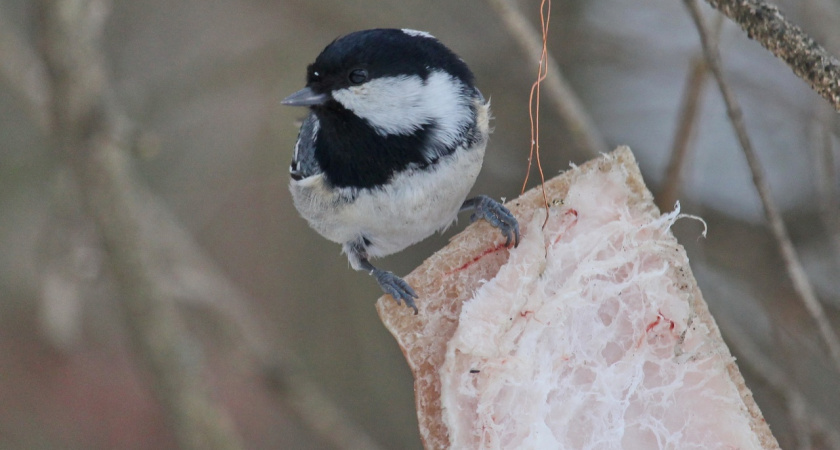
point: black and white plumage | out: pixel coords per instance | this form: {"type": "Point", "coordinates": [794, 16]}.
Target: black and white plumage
{"type": "Point", "coordinates": [392, 145]}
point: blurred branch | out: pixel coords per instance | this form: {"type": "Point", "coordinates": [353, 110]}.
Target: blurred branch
{"type": "Point", "coordinates": [796, 272]}
{"type": "Point", "coordinates": [827, 183]}
{"type": "Point", "coordinates": [805, 420]}
{"type": "Point", "coordinates": [684, 137]}
{"type": "Point", "coordinates": [155, 261]}
{"type": "Point", "coordinates": [824, 16]}
{"type": "Point", "coordinates": [86, 136]}
{"type": "Point", "coordinates": [190, 278]}
{"type": "Point", "coordinates": [22, 67]}
{"type": "Point", "coordinates": [186, 276]}
{"type": "Point", "coordinates": [315, 409]}
{"type": "Point", "coordinates": [764, 23]}
{"type": "Point", "coordinates": [571, 109]}
{"type": "Point", "coordinates": [153, 323]}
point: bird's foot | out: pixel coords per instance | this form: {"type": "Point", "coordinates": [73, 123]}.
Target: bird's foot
{"type": "Point", "coordinates": [396, 287]}
{"type": "Point", "coordinates": [494, 212]}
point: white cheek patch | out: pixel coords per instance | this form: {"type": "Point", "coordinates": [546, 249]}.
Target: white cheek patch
{"type": "Point", "coordinates": [403, 104]}
{"type": "Point", "coordinates": [392, 105]}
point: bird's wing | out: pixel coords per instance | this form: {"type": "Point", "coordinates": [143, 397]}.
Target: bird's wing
{"type": "Point", "coordinates": [303, 161]}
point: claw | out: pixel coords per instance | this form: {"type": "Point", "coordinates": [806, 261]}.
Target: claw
{"type": "Point", "coordinates": [494, 212]}
{"type": "Point", "coordinates": [391, 284]}
{"type": "Point", "coordinates": [396, 287]}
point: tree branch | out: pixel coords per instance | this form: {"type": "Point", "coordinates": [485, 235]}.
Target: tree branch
{"type": "Point", "coordinates": [796, 272]}
{"type": "Point", "coordinates": [684, 136]}
{"type": "Point", "coordinates": [804, 418]}
{"type": "Point", "coordinates": [87, 138]}
{"type": "Point", "coordinates": [23, 68]}
{"type": "Point", "coordinates": [764, 23]}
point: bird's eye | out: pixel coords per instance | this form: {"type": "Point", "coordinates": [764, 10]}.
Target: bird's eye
{"type": "Point", "coordinates": [358, 76]}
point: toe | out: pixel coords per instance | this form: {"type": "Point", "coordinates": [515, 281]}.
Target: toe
{"type": "Point", "coordinates": [500, 217]}
{"type": "Point", "coordinates": [397, 288]}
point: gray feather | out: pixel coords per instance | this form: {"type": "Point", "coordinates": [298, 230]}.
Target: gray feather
{"type": "Point", "coordinates": [304, 164]}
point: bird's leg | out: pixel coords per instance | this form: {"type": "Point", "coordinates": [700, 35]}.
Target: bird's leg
{"type": "Point", "coordinates": [494, 212]}
{"type": "Point", "coordinates": [390, 283]}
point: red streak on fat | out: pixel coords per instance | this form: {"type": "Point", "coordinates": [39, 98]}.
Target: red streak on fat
{"type": "Point", "coordinates": [653, 324]}
{"type": "Point", "coordinates": [477, 258]}
{"type": "Point", "coordinates": [659, 318]}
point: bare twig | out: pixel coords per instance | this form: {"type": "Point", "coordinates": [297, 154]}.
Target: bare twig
{"type": "Point", "coordinates": [824, 16]}
{"type": "Point", "coordinates": [827, 183]}
{"type": "Point", "coordinates": [86, 137]}
{"type": "Point", "coordinates": [571, 110]}
{"type": "Point", "coordinates": [806, 420]}
{"type": "Point", "coordinates": [796, 272]}
{"type": "Point", "coordinates": [25, 72]}
{"type": "Point", "coordinates": [684, 137]}
{"type": "Point", "coordinates": [810, 61]}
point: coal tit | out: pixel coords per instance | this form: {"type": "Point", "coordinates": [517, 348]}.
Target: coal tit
{"type": "Point", "coordinates": [391, 147]}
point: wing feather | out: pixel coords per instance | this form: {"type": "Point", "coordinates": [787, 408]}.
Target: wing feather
{"type": "Point", "coordinates": [304, 164]}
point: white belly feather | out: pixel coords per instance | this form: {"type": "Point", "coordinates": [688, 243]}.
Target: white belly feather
{"type": "Point", "coordinates": [410, 208]}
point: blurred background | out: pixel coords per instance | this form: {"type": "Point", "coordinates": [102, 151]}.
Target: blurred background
{"type": "Point", "coordinates": [283, 336]}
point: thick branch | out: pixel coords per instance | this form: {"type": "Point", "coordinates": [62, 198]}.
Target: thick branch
{"type": "Point", "coordinates": [810, 61]}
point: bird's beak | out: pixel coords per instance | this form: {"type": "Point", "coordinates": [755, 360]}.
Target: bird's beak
{"type": "Point", "coordinates": [305, 97]}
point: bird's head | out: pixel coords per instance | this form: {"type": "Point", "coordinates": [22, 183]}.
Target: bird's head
{"type": "Point", "coordinates": [398, 81]}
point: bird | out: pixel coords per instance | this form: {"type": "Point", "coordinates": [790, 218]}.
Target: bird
{"type": "Point", "coordinates": [391, 147]}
